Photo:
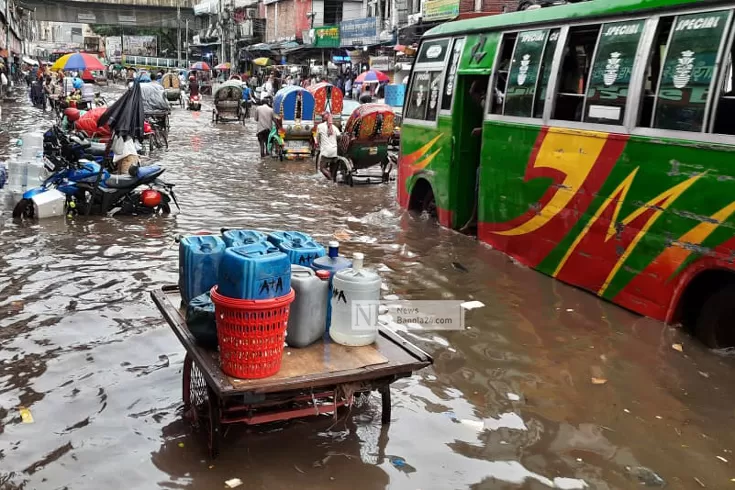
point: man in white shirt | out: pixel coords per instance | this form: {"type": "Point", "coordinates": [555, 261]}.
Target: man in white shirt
{"type": "Point", "coordinates": [327, 134]}
{"type": "Point", "coordinates": [268, 86]}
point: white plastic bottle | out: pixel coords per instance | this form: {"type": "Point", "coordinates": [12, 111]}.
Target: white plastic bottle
{"type": "Point", "coordinates": [355, 298]}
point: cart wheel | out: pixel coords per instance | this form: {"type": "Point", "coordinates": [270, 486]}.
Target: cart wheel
{"type": "Point", "coordinates": [386, 406]}
{"type": "Point", "coordinates": [194, 392]}
{"type": "Point", "coordinates": [215, 426]}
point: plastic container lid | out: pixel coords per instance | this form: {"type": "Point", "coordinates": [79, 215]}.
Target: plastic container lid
{"type": "Point", "coordinates": [323, 275]}
{"type": "Point", "coordinates": [334, 243]}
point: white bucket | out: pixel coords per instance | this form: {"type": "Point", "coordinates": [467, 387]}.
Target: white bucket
{"type": "Point", "coordinates": [355, 324]}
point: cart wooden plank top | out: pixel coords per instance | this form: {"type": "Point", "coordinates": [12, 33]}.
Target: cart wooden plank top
{"type": "Point", "coordinates": [320, 365]}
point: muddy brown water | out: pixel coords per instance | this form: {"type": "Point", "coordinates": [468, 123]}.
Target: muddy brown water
{"type": "Point", "coordinates": [508, 404]}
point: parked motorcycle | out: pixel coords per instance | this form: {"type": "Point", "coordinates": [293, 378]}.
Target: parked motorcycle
{"type": "Point", "coordinates": [90, 189]}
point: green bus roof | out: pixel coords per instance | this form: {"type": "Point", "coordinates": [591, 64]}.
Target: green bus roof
{"type": "Point", "coordinates": [562, 13]}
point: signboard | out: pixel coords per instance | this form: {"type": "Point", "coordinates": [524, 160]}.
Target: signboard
{"type": "Point", "coordinates": [381, 63]}
{"type": "Point", "coordinates": [134, 46]}
{"type": "Point", "coordinates": [394, 95]}
{"type": "Point", "coordinates": [326, 37]}
{"type": "Point", "coordinates": [126, 19]}
{"type": "Point", "coordinates": [358, 32]}
{"type": "Point", "coordinates": [440, 9]}
{"type": "Point", "coordinates": [86, 18]}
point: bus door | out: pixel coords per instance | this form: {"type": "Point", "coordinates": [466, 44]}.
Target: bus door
{"type": "Point", "coordinates": [468, 113]}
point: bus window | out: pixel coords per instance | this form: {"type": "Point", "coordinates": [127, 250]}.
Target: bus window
{"type": "Point", "coordinates": [653, 73]}
{"type": "Point", "coordinates": [575, 69]}
{"type": "Point", "coordinates": [501, 74]}
{"type": "Point", "coordinates": [723, 121]}
{"type": "Point", "coordinates": [450, 80]}
{"type": "Point", "coordinates": [423, 101]}
{"type": "Point", "coordinates": [611, 71]}
{"type": "Point", "coordinates": [688, 71]}
{"type": "Point", "coordinates": [545, 74]}
{"type": "Point", "coordinates": [524, 69]}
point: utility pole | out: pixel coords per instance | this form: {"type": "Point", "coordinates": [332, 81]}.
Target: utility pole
{"type": "Point", "coordinates": [187, 43]}
{"type": "Point", "coordinates": [178, 29]}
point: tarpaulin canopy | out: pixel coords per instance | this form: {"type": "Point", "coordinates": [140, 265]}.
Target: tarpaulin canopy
{"type": "Point", "coordinates": [154, 98]}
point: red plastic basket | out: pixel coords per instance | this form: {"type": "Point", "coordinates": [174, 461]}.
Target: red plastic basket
{"type": "Point", "coordinates": [251, 334]}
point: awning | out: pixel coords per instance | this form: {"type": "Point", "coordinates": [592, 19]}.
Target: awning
{"type": "Point", "coordinates": [30, 61]}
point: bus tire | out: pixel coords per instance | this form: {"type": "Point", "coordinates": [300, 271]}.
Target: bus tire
{"type": "Point", "coordinates": [715, 321]}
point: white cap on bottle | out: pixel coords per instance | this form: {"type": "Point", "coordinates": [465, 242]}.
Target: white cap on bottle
{"type": "Point", "coordinates": [333, 244]}
{"type": "Point", "coordinates": [357, 261]}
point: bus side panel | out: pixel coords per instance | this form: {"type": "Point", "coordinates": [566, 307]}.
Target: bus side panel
{"type": "Point", "coordinates": [426, 154]}
{"type": "Point", "coordinates": [620, 218]}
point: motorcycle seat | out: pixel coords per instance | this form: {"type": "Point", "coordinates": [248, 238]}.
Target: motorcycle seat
{"type": "Point", "coordinates": [120, 181]}
{"type": "Point", "coordinates": [144, 172]}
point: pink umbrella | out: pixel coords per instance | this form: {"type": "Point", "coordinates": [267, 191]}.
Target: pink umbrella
{"type": "Point", "coordinates": [372, 76]}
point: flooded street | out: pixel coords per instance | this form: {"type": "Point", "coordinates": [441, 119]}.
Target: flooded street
{"type": "Point", "coordinates": [547, 388]}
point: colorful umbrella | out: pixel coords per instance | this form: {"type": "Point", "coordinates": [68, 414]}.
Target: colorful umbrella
{"type": "Point", "coordinates": [200, 65]}
{"type": "Point", "coordinates": [88, 76]}
{"type": "Point", "coordinates": [263, 61]}
{"type": "Point", "coordinates": [79, 62]}
{"type": "Point", "coordinates": [372, 76]}
{"type": "Point", "coordinates": [222, 66]}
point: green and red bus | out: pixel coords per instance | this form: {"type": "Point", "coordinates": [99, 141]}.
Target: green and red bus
{"type": "Point", "coordinates": [593, 142]}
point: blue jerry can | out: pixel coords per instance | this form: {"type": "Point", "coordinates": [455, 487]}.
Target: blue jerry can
{"type": "Point", "coordinates": [238, 238]}
{"type": "Point", "coordinates": [255, 271]}
{"type": "Point", "coordinates": [199, 261]}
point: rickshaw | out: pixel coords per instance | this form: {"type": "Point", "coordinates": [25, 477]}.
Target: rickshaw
{"type": "Point", "coordinates": [294, 106]}
{"type": "Point", "coordinates": [172, 87]}
{"type": "Point", "coordinates": [227, 99]}
{"type": "Point", "coordinates": [327, 98]}
{"type": "Point", "coordinates": [364, 143]}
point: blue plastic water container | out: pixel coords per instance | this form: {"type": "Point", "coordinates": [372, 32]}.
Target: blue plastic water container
{"type": "Point", "coordinates": [331, 263]}
{"type": "Point", "coordinates": [255, 271]}
{"type": "Point", "coordinates": [278, 237]}
{"type": "Point", "coordinates": [199, 261]}
{"type": "Point", "coordinates": [238, 238]}
{"type": "Point", "coordinates": [301, 252]}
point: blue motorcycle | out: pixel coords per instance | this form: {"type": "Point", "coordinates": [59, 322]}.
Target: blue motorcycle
{"type": "Point", "coordinates": [90, 189]}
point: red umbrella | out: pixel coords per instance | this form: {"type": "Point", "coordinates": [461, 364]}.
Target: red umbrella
{"type": "Point", "coordinates": [372, 76]}
{"type": "Point", "coordinates": [200, 65]}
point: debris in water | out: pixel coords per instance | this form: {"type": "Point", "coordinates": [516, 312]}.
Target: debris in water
{"type": "Point", "coordinates": [459, 267]}
{"type": "Point", "coordinates": [513, 397]}
{"type": "Point", "coordinates": [569, 310]}
{"type": "Point", "coordinates": [181, 444]}
{"type": "Point", "coordinates": [398, 462]}
{"type": "Point", "coordinates": [699, 481]}
{"type": "Point", "coordinates": [298, 469]}
{"type": "Point", "coordinates": [211, 466]}
{"type": "Point", "coordinates": [646, 476]}
{"type": "Point", "coordinates": [626, 410]}
{"type": "Point", "coordinates": [25, 415]}
{"type": "Point", "coordinates": [659, 417]}
{"type": "Point", "coordinates": [599, 381]}
{"type": "Point", "coordinates": [16, 306]}
{"type": "Point", "coordinates": [471, 305]}
{"type": "Point", "coordinates": [677, 347]}
{"type": "Point", "coordinates": [703, 374]}
{"type": "Point", "coordinates": [233, 483]}
{"type": "Point", "coordinates": [721, 459]}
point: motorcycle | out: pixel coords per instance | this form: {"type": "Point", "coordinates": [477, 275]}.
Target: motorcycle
{"type": "Point", "coordinates": [90, 189]}
{"type": "Point", "coordinates": [194, 103]}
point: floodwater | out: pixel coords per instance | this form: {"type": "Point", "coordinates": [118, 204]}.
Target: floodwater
{"type": "Point", "coordinates": [509, 403]}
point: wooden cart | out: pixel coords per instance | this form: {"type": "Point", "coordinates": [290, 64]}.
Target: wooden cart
{"type": "Point", "coordinates": [317, 379]}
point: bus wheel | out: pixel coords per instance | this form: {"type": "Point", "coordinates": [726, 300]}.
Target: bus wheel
{"type": "Point", "coordinates": [428, 204]}
{"type": "Point", "coordinates": [714, 325]}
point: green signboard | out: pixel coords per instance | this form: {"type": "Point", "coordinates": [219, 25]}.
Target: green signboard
{"type": "Point", "coordinates": [440, 9]}
{"type": "Point", "coordinates": [326, 37]}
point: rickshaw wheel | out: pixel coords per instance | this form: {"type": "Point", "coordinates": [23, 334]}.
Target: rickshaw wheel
{"type": "Point", "coordinates": [346, 174]}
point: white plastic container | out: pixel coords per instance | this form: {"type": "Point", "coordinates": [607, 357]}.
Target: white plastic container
{"type": "Point", "coordinates": [348, 286]}
{"type": "Point", "coordinates": [49, 204]}
{"type": "Point", "coordinates": [307, 318]}
{"type": "Point", "coordinates": [27, 171]}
